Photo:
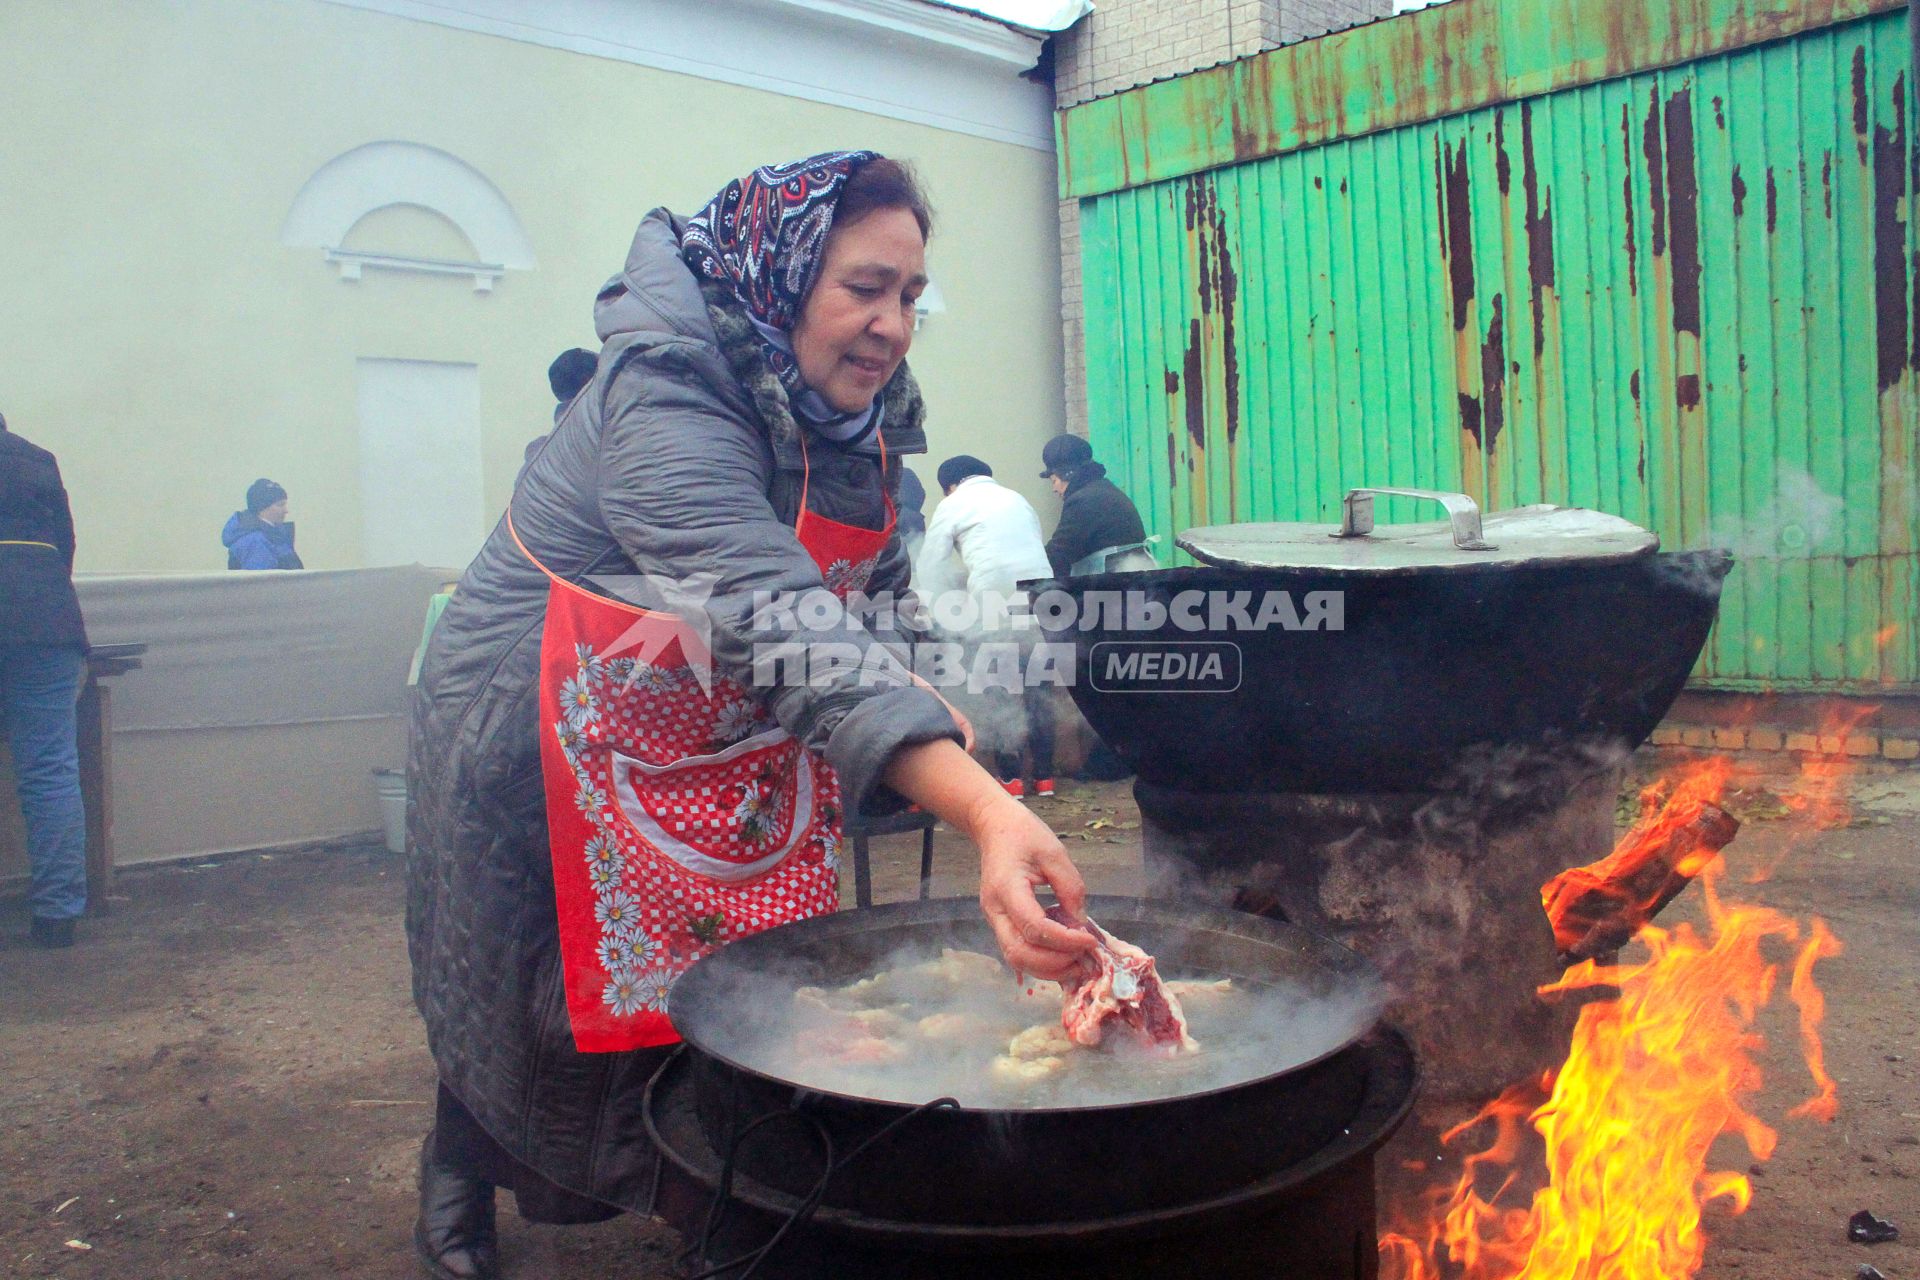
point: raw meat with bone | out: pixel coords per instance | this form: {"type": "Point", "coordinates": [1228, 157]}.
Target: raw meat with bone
{"type": "Point", "coordinates": [1118, 984]}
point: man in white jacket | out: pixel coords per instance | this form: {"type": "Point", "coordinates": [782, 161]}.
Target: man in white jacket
{"type": "Point", "coordinates": [984, 539]}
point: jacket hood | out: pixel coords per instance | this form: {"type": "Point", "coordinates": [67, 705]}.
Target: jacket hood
{"type": "Point", "coordinates": [656, 293]}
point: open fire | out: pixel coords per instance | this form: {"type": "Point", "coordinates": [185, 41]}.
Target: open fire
{"type": "Point", "coordinates": [1620, 1139]}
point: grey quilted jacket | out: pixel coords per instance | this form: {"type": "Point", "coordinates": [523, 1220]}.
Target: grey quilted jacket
{"type": "Point", "coordinates": [680, 458]}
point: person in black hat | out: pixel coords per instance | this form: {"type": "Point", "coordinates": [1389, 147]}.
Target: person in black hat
{"type": "Point", "coordinates": [261, 537]}
{"type": "Point", "coordinates": [1094, 513]}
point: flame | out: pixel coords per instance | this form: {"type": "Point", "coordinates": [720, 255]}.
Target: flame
{"type": "Point", "coordinates": [1662, 1065]}
{"type": "Point", "coordinates": [1825, 1103]}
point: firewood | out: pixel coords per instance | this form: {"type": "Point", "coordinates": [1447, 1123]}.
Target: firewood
{"type": "Point", "coordinates": [1596, 909]}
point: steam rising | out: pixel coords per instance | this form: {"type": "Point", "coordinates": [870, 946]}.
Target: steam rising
{"type": "Point", "coordinates": [929, 1023]}
{"type": "Point", "coordinates": [1804, 520]}
{"type": "Point", "coordinates": [993, 654]}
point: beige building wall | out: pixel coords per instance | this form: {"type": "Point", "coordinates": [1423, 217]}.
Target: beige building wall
{"type": "Point", "coordinates": [1126, 43]}
{"type": "Point", "coordinates": [169, 348]}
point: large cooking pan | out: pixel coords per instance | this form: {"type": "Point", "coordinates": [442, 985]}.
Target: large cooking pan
{"type": "Point", "coordinates": [1430, 665]}
{"type": "Point", "coordinates": [1026, 1166]}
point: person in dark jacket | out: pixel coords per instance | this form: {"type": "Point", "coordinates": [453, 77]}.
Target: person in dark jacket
{"type": "Point", "coordinates": [261, 537]}
{"type": "Point", "coordinates": [1094, 513]}
{"type": "Point", "coordinates": [913, 513]}
{"type": "Point", "coordinates": [742, 436]}
{"type": "Point", "coordinates": [43, 648]}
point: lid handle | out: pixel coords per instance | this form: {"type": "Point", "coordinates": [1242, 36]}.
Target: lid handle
{"type": "Point", "coordinates": [1356, 514]}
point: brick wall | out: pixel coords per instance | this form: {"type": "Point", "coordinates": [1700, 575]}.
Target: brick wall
{"type": "Point", "coordinates": [1124, 43]}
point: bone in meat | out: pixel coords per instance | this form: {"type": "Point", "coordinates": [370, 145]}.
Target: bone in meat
{"type": "Point", "coordinates": [1118, 984]}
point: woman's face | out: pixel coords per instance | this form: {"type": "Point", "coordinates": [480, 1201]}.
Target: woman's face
{"type": "Point", "coordinates": [857, 323]}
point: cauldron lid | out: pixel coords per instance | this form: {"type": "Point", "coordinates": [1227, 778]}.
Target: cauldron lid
{"type": "Point", "coordinates": [1515, 538]}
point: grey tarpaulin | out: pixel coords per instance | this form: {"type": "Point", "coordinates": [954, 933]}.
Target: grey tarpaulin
{"type": "Point", "coordinates": [262, 706]}
{"type": "Point", "coordinates": [232, 650]}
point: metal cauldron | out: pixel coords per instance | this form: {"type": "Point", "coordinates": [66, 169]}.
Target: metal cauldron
{"type": "Point", "coordinates": [1544, 626]}
{"type": "Point", "coordinates": [1007, 1167]}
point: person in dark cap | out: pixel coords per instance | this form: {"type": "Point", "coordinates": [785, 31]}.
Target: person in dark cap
{"type": "Point", "coordinates": [261, 537]}
{"type": "Point", "coordinates": [983, 536]}
{"type": "Point", "coordinates": [570, 371]}
{"type": "Point", "coordinates": [43, 649]}
{"type": "Point", "coordinates": [568, 375]}
{"type": "Point", "coordinates": [1094, 513]}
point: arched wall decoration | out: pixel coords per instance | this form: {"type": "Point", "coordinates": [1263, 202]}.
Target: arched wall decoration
{"type": "Point", "coordinates": [379, 175]}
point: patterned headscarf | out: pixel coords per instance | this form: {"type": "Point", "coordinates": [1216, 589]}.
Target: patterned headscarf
{"type": "Point", "coordinates": [765, 235]}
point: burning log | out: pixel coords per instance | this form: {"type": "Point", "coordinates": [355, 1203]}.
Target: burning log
{"type": "Point", "coordinates": [1596, 909]}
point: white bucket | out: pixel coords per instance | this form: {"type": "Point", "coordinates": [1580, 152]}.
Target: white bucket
{"type": "Point", "coordinates": [392, 786]}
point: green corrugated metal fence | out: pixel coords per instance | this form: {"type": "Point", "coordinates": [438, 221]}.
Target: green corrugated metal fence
{"type": "Point", "coordinates": [1683, 294]}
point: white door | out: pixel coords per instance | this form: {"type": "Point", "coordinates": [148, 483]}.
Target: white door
{"type": "Point", "coordinates": [420, 483]}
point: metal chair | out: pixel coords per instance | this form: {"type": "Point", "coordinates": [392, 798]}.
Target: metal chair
{"type": "Point", "coordinates": [859, 828]}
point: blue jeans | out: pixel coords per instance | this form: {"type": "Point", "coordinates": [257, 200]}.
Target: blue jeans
{"type": "Point", "coordinates": [39, 685]}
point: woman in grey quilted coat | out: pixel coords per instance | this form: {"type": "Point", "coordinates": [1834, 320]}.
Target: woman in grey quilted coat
{"type": "Point", "coordinates": [747, 416]}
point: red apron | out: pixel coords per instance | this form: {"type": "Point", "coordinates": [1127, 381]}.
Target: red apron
{"type": "Point", "coordinates": [678, 819]}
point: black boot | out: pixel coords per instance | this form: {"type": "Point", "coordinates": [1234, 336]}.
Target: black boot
{"type": "Point", "coordinates": [454, 1235]}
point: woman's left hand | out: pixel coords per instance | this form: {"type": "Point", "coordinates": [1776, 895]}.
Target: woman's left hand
{"type": "Point", "coordinates": [1017, 853]}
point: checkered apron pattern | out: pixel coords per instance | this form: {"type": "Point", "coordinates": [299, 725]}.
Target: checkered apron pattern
{"type": "Point", "coordinates": [680, 816]}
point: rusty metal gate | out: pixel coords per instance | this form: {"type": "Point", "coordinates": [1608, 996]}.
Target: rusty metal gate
{"type": "Point", "coordinates": [1654, 258]}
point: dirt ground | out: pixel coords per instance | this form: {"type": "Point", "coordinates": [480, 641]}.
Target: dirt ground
{"type": "Point", "coordinates": [227, 1078]}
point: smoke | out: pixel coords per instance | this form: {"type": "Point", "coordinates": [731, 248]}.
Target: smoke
{"type": "Point", "coordinates": [995, 660]}
{"type": "Point", "coordinates": [1698, 572]}
{"type": "Point", "coordinates": [1494, 786]}
{"type": "Point", "coordinates": [1440, 891]}
{"type": "Point", "coordinates": [999, 718]}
